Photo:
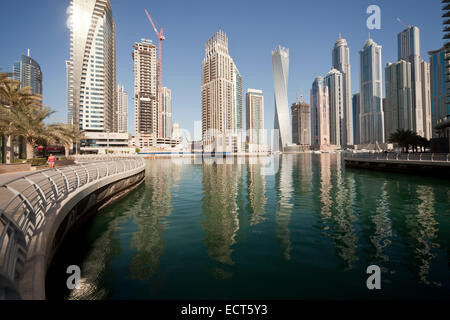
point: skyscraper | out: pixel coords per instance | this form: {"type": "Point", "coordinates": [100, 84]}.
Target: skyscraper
{"type": "Point", "coordinates": [255, 120]}
{"type": "Point", "coordinates": [166, 109]}
{"type": "Point", "coordinates": [220, 92]}
{"type": "Point", "coordinates": [238, 96]}
{"type": "Point", "coordinates": [29, 73]}
{"type": "Point", "coordinates": [409, 50]}
{"type": "Point", "coordinates": [92, 68]}
{"type": "Point", "coordinates": [122, 110]}
{"type": "Point", "coordinates": [426, 99]}
{"type": "Point", "coordinates": [320, 121]}
{"type": "Point", "coordinates": [145, 93]}
{"type": "Point", "coordinates": [438, 75]}
{"type": "Point", "coordinates": [300, 124]}
{"type": "Point", "coordinates": [334, 81]}
{"type": "Point", "coordinates": [356, 119]}
{"type": "Point", "coordinates": [70, 96]}
{"type": "Point", "coordinates": [371, 84]}
{"type": "Point", "coordinates": [280, 65]}
{"type": "Point", "coordinates": [341, 62]}
{"type": "Point", "coordinates": [399, 106]}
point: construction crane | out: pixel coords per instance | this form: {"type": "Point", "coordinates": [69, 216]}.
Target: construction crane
{"type": "Point", "coordinates": [161, 38]}
{"type": "Point", "coordinates": [402, 23]}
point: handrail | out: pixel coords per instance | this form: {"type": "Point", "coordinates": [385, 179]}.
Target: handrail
{"type": "Point", "coordinates": [28, 206]}
{"type": "Point", "coordinates": [410, 157]}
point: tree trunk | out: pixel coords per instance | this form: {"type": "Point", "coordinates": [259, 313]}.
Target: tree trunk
{"type": "Point", "coordinates": [30, 150]}
{"type": "Point", "coordinates": [9, 150]}
{"type": "Point", "coordinates": [67, 150]}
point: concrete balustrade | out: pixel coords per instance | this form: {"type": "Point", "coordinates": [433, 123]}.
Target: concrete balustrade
{"type": "Point", "coordinates": [38, 210]}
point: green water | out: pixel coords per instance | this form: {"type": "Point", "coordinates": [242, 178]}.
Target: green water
{"type": "Point", "coordinates": [227, 231]}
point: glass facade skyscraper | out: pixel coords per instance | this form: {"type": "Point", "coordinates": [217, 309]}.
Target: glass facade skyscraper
{"type": "Point", "coordinates": [371, 103]}
{"type": "Point", "coordinates": [29, 73]}
{"type": "Point", "coordinates": [320, 120]}
{"type": "Point", "coordinates": [91, 72]}
{"type": "Point", "coordinates": [334, 80]}
{"type": "Point", "coordinates": [341, 62]}
{"type": "Point", "coordinates": [255, 120]}
{"type": "Point", "coordinates": [280, 65]}
{"type": "Point", "coordinates": [438, 71]}
{"type": "Point", "coordinates": [166, 109]}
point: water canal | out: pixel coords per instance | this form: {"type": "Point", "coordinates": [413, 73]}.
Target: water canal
{"type": "Point", "coordinates": [235, 231]}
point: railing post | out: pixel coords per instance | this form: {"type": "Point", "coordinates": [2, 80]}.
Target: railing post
{"type": "Point", "coordinates": [54, 186]}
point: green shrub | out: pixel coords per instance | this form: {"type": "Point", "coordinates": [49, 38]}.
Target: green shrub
{"type": "Point", "coordinates": [37, 162]}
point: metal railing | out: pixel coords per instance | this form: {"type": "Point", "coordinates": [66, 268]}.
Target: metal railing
{"type": "Point", "coordinates": [29, 199]}
{"type": "Point", "coordinates": [425, 157]}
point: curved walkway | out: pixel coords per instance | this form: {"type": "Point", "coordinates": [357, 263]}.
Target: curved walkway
{"type": "Point", "coordinates": [33, 207]}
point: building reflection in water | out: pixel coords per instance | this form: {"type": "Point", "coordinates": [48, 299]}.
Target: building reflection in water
{"type": "Point", "coordinates": [423, 231]}
{"type": "Point", "coordinates": [219, 204]}
{"type": "Point", "coordinates": [342, 220]}
{"type": "Point", "coordinates": [284, 187]}
{"type": "Point", "coordinates": [149, 215]}
{"type": "Point", "coordinates": [256, 189]}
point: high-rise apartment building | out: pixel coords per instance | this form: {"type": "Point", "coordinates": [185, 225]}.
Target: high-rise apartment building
{"type": "Point", "coordinates": [335, 82]}
{"type": "Point", "coordinates": [300, 124]}
{"type": "Point", "coordinates": [438, 75]}
{"type": "Point", "coordinates": [399, 106]}
{"type": "Point", "coordinates": [92, 94]}
{"type": "Point", "coordinates": [238, 97]}
{"type": "Point", "coordinates": [166, 110]}
{"type": "Point", "coordinates": [320, 121]}
{"type": "Point", "coordinates": [341, 62]}
{"type": "Point", "coordinates": [255, 120]}
{"type": "Point", "coordinates": [356, 100]}
{"type": "Point", "coordinates": [122, 110]}
{"type": "Point", "coordinates": [426, 99]}
{"type": "Point", "coordinates": [221, 84]}
{"type": "Point", "coordinates": [409, 50]}
{"type": "Point", "coordinates": [280, 65]}
{"type": "Point", "coordinates": [371, 103]}
{"type": "Point", "coordinates": [70, 96]}
{"type": "Point", "coordinates": [146, 93]}
{"type": "Point", "coordinates": [29, 73]}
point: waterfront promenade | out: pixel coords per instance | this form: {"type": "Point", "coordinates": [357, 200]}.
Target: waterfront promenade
{"type": "Point", "coordinates": [38, 209]}
{"type": "Point", "coordinates": [413, 163]}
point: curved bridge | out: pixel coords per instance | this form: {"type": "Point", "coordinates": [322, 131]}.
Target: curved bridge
{"type": "Point", "coordinates": [37, 210]}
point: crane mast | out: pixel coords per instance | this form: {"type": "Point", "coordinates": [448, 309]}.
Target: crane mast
{"type": "Point", "coordinates": [161, 38]}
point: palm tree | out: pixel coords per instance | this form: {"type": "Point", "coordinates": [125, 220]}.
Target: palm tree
{"type": "Point", "coordinates": [66, 134]}
{"type": "Point", "coordinates": [12, 96]}
{"type": "Point", "coordinates": [28, 122]}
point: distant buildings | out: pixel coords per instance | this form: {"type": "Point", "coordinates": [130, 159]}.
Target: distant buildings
{"type": "Point", "coordinates": [122, 110]}
{"type": "Point", "coordinates": [166, 110]}
{"type": "Point", "coordinates": [356, 103]}
{"type": "Point", "coordinates": [371, 84]}
{"type": "Point", "coordinates": [335, 83]}
{"type": "Point", "coordinates": [220, 94]}
{"type": "Point", "coordinates": [91, 71]}
{"type": "Point", "coordinates": [320, 121]}
{"type": "Point", "coordinates": [341, 62]}
{"type": "Point", "coordinates": [255, 120]}
{"type": "Point", "coordinates": [145, 93]}
{"type": "Point", "coordinates": [280, 65]}
{"type": "Point", "coordinates": [301, 124]}
{"type": "Point", "coordinates": [29, 73]}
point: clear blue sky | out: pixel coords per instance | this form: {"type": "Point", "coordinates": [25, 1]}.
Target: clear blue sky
{"type": "Point", "coordinates": [254, 27]}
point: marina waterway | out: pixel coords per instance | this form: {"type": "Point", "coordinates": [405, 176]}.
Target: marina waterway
{"type": "Point", "coordinates": [288, 227]}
